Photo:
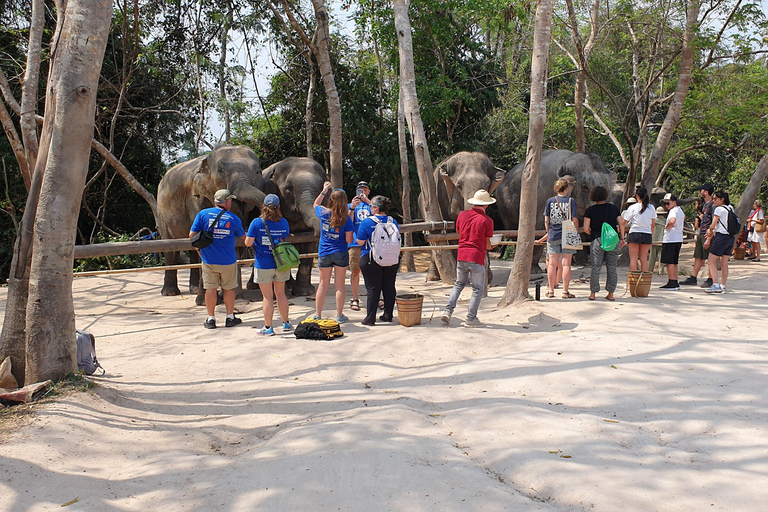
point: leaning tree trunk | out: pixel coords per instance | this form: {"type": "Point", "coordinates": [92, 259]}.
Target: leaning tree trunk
{"type": "Point", "coordinates": [68, 129]}
{"type": "Point", "coordinates": [405, 176]}
{"type": "Point", "coordinates": [753, 188]}
{"type": "Point", "coordinates": [672, 119]}
{"type": "Point", "coordinates": [446, 263]}
{"type": "Point", "coordinates": [517, 285]}
{"type": "Point", "coordinates": [583, 53]}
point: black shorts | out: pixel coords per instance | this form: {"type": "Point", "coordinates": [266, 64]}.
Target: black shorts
{"type": "Point", "coordinates": [640, 238]}
{"type": "Point", "coordinates": [670, 252]}
{"type": "Point", "coordinates": [722, 245]}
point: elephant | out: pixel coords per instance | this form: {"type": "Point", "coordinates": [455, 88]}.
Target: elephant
{"type": "Point", "coordinates": [190, 186]}
{"type": "Point", "coordinates": [586, 169]}
{"type": "Point", "coordinates": [297, 181]}
{"type": "Point", "coordinates": [457, 178]}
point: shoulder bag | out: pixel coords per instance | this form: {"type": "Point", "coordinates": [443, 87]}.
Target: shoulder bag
{"type": "Point", "coordinates": [285, 254]}
{"type": "Point", "coordinates": [204, 238]}
{"type": "Point", "coordinates": [571, 238]}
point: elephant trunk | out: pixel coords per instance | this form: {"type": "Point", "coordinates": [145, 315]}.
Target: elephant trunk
{"type": "Point", "coordinates": [304, 205]}
{"type": "Point", "coordinates": [249, 195]}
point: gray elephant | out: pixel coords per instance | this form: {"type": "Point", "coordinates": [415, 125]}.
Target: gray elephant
{"type": "Point", "coordinates": [190, 186]}
{"type": "Point", "coordinates": [586, 169]}
{"type": "Point", "coordinates": [297, 181]}
{"type": "Point", "coordinates": [457, 178]}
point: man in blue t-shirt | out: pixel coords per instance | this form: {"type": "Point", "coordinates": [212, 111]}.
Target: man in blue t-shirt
{"type": "Point", "coordinates": [219, 259]}
{"type": "Point", "coordinates": [359, 210]}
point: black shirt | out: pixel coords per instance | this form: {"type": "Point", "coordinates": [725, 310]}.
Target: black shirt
{"type": "Point", "coordinates": [599, 214]}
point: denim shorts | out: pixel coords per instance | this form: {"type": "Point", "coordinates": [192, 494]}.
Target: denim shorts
{"type": "Point", "coordinates": [640, 238]}
{"type": "Point", "coordinates": [335, 259]}
{"type": "Point", "coordinates": [556, 247]}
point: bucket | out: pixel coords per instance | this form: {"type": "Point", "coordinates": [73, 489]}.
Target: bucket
{"type": "Point", "coordinates": [739, 253]}
{"type": "Point", "coordinates": [639, 283]}
{"type": "Point", "coordinates": [409, 308]}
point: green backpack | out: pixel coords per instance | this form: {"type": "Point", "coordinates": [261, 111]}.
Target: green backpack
{"type": "Point", "coordinates": [285, 254]}
{"type": "Point", "coordinates": [609, 238]}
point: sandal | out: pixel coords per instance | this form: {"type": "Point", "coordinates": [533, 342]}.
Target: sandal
{"type": "Point", "coordinates": [354, 304]}
{"type": "Point", "coordinates": [568, 295]}
{"type": "Point", "coordinates": [608, 297]}
{"type": "Point", "coordinates": [550, 295]}
{"type": "Point", "coordinates": [591, 297]}
{"type": "Point", "coordinates": [381, 304]}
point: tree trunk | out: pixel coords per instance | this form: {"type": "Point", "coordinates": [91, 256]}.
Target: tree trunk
{"type": "Point", "coordinates": [29, 91]}
{"type": "Point", "coordinates": [308, 118]}
{"type": "Point", "coordinates": [753, 188]}
{"type": "Point", "coordinates": [68, 130]}
{"type": "Point", "coordinates": [406, 179]}
{"type": "Point", "coordinates": [223, 73]}
{"type": "Point", "coordinates": [446, 263]}
{"type": "Point", "coordinates": [323, 56]}
{"type": "Point", "coordinates": [672, 119]}
{"type": "Point", "coordinates": [581, 79]}
{"type": "Point", "coordinates": [517, 285]}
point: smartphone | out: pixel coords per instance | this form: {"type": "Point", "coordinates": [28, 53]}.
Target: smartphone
{"type": "Point", "coordinates": [359, 192]}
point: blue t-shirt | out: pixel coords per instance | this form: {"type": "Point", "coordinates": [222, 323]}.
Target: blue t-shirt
{"type": "Point", "coordinates": [332, 240]}
{"type": "Point", "coordinates": [365, 231]}
{"type": "Point", "coordinates": [261, 248]}
{"type": "Point", "coordinates": [559, 209]}
{"type": "Point", "coordinates": [225, 233]}
{"type": "Point", "coordinates": [362, 211]}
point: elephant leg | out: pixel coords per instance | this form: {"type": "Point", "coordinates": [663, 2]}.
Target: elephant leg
{"type": "Point", "coordinates": [302, 287]}
{"type": "Point", "coordinates": [537, 252]}
{"type": "Point", "coordinates": [251, 285]}
{"type": "Point", "coordinates": [170, 283]}
{"type": "Point", "coordinates": [195, 276]}
{"type": "Point", "coordinates": [432, 274]}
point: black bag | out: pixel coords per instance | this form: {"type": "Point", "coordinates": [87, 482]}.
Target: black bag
{"type": "Point", "coordinates": [321, 329]}
{"type": "Point", "coordinates": [203, 239]}
{"type": "Point", "coordinates": [734, 224]}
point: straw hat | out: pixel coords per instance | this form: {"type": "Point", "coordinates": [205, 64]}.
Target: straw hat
{"type": "Point", "coordinates": [481, 197]}
{"type": "Point", "coordinates": [661, 210]}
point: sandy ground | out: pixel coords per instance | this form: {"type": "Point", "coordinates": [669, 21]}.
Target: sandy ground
{"type": "Point", "coordinates": [642, 404]}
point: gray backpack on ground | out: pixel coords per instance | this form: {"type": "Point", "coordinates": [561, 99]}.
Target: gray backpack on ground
{"type": "Point", "coordinates": [86, 353]}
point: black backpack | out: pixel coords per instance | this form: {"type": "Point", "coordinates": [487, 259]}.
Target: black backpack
{"type": "Point", "coordinates": [734, 225]}
{"type": "Point", "coordinates": [318, 329]}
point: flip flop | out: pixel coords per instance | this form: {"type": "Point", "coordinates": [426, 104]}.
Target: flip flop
{"type": "Point", "coordinates": [354, 304]}
{"type": "Point", "coordinates": [591, 297]}
{"type": "Point", "coordinates": [568, 295]}
{"type": "Point", "coordinates": [610, 298]}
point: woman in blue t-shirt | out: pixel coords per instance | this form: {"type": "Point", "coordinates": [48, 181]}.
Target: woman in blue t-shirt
{"type": "Point", "coordinates": [379, 281]}
{"type": "Point", "coordinates": [336, 232]}
{"type": "Point", "coordinates": [267, 275]}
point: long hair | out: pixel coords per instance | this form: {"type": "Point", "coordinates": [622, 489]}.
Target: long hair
{"type": "Point", "coordinates": [339, 207]}
{"type": "Point", "coordinates": [642, 193]}
{"type": "Point", "coordinates": [724, 196]}
{"type": "Point", "coordinates": [271, 213]}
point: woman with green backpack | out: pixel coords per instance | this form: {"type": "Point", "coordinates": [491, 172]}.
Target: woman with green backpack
{"type": "Point", "coordinates": [606, 234]}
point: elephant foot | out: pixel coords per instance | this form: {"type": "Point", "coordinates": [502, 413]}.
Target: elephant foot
{"type": "Point", "coordinates": [535, 269]}
{"type": "Point", "coordinates": [302, 290]}
{"type": "Point", "coordinates": [195, 290]}
{"type": "Point", "coordinates": [431, 276]}
{"type": "Point", "coordinates": [169, 291]}
{"type": "Point", "coordinates": [200, 300]}
{"type": "Point", "coordinates": [251, 286]}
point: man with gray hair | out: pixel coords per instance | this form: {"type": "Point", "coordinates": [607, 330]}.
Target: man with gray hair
{"type": "Point", "coordinates": [219, 267]}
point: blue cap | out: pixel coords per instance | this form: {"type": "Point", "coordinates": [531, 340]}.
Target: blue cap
{"type": "Point", "coordinates": [272, 200]}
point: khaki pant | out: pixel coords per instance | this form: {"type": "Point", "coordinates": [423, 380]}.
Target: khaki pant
{"type": "Point", "coordinates": [219, 275]}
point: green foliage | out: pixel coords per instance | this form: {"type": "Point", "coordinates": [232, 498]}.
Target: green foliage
{"type": "Point", "coordinates": [117, 262]}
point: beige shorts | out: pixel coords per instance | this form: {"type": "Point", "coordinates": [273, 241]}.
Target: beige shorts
{"type": "Point", "coordinates": [267, 275]}
{"type": "Point", "coordinates": [354, 258]}
{"type": "Point", "coordinates": [219, 275]}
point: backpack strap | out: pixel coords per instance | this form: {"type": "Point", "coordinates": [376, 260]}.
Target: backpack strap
{"type": "Point", "coordinates": [269, 235]}
{"type": "Point", "coordinates": [216, 221]}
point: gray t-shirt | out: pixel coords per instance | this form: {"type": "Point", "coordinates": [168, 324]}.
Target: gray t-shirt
{"type": "Point", "coordinates": [559, 209]}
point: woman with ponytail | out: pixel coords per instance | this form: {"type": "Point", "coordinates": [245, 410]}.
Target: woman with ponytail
{"type": "Point", "coordinates": [641, 218]}
{"type": "Point", "coordinates": [336, 233]}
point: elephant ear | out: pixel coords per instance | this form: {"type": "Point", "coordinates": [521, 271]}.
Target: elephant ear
{"type": "Point", "coordinates": [201, 179]}
{"type": "Point", "coordinates": [449, 186]}
{"type": "Point", "coordinates": [497, 178]}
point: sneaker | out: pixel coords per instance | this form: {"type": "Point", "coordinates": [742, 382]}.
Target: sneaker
{"type": "Point", "coordinates": [210, 324]}
{"type": "Point", "coordinates": [231, 322]}
{"type": "Point", "coordinates": [446, 318]}
{"type": "Point", "coordinates": [707, 283]}
{"type": "Point", "coordinates": [669, 287]}
{"type": "Point", "coordinates": [473, 323]}
{"type": "Point", "coordinates": [266, 331]}
{"type": "Point", "coordinates": [368, 323]}
{"type": "Point", "coordinates": [715, 288]}
{"type": "Point", "coordinates": [316, 317]}
{"type": "Point", "coordinates": [385, 318]}
{"type": "Point", "coordinates": [722, 288]}
{"type": "Point", "coordinates": [287, 326]}
{"type": "Point", "coordinates": [692, 281]}
{"type": "Point", "coordinates": [342, 318]}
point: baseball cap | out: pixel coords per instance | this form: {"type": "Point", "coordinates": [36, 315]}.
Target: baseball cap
{"type": "Point", "coordinates": [363, 184]}
{"type": "Point", "coordinates": [669, 197]}
{"type": "Point", "coordinates": [272, 200]}
{"type": "Point", "coordinates": [709, 188]}
{"type": "Point", "coordinates": [631, 200]}
{"type": "Point", "coordinates": [223, 194]}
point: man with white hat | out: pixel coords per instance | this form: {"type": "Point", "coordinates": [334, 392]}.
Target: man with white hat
{"type": "Point", "coordinates": [219, 258]}
{"type": "Point", "coordinates": [475, 230]}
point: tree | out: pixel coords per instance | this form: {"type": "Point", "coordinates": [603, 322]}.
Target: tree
{"type": "Point", "coordinates": [517, 285]}
{"type": "Point", "coordinates": [40, 295]}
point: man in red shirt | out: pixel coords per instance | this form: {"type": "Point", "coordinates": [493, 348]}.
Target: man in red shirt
{"type": "Point", "coordinates": [475, 230]}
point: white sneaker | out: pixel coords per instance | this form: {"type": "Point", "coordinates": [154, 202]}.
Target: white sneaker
{"type": "Point", "coordinates": [715, 288]}
{"type": "Point", "coordinates": [446, 318]}
{"type": "Point", "coordinates": [473, 323]}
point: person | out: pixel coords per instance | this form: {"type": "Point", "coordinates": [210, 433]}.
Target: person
{"type": "Point", "coordinates": [596, 215]}
{"type": "Point", "coordinates": [658, 236]}
{"type": "Point", "coordinates": [672, 241]}
{"type": "Point", "coordinates": [267, 275]}
{"type": "Point", "coordinates": [219, 260]}
{"type": "Point", "coordinates": [640, 216]}
{"type": "Point", "coordinates": [557, 209]}
{"type": "Point", "coordinates": [721, 243]}
{"type": "Point", "coordinates": [475, 229]}
{"type": "Point", "coordinates": [700, 254]}
{"type": "Point", "coordinates": [379, 281]}
{"type": "Point", "coordinates": [755, 223]}
{"type": "Point", "coordinates": [360, 209]}
{"type": "Point", "coordinates": [336, 232]}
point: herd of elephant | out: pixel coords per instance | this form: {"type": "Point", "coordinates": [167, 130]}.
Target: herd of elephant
{"type": "Point", "coordinates": [190, 186]}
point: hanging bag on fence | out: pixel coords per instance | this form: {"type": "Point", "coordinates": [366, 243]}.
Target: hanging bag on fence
{"type": "Point", "coordinates": [609, 238]}
{"type": "Point", "coordinates": [285, 254]}
{"type": "Point", "coordinates": [571, 238]}
{"type": "Point", "coordinates": [204, 238]}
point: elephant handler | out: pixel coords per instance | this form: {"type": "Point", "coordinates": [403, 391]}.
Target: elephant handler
{"type": "Point", "coordinates": [475, 229]}
{"type": "Point", "coordinates": [359, 210]}
{"type": "Point", "coordinates": [219, 259]}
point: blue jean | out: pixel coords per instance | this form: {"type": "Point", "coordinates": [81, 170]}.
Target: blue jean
{"type": "Point", "coordinates": [474, 274]}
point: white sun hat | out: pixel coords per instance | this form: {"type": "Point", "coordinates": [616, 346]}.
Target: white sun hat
{"type": "Point", "coordinates": [481, 197]}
